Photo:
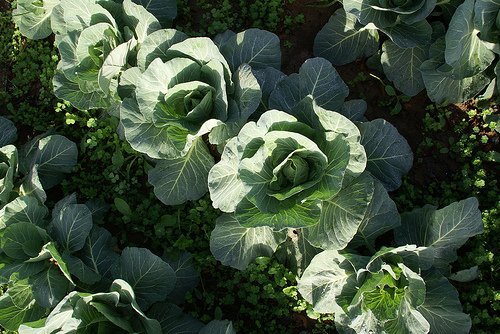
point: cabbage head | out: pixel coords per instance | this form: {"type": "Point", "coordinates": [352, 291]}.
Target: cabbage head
{"type": "Point", "coordinates": [279, 170]}
{"type": "Point", "coordinates": [96, 42]}
{"type": "Point", "coordinates": [183, 95]}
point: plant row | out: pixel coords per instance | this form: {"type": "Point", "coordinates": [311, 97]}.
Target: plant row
{"type": "Point", "coordinates": [297, 170]}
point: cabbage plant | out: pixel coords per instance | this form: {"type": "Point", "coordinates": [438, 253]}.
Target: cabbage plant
{"type": "Point", "coordinates": [190, 95]}
{"type": "Point", "coordinates": [401, 289]}
{"type": "Point", "coordinates": [453, 64]}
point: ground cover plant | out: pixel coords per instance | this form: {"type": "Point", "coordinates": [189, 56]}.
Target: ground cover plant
{"type": "Point", "coordinates": [299, 172]}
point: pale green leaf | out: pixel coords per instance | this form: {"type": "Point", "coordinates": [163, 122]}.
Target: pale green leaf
{"type": "Point", "coordinates": [176, 181]}
{"type": "Point", "coordinates": [237, 246]}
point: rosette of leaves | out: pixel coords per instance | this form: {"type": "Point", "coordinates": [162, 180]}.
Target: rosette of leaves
{"type": "Point", "coordinates": [463, 58]}
{"type": "Point", "coordinates": [402, 289]}
{"type": "Point", "coordinates": [358, 201]}
{"type": "Point", "coordinates": [97, 41]}
{"type": "Point", "coordinates": [38, 166]}
{"type": "Point", "coordinates": [278, 171]}
{"type": "Point", "coordinates": [186, 94]}
{"type": "Point", "coordinates": [46, 257]}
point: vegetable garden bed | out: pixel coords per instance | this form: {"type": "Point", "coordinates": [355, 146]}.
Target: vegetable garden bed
{"type": "Point", "coordinates": [163, 174]}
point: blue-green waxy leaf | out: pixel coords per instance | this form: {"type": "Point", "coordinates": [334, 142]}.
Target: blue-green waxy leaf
{"type": "Point", "coordinates": [8, 171]}
{"type": "Point", "coordinates": [296, 253]}
{"type": "Point", "coordinates": [25, 209]}
{"type": "Point", "coordinates": [226, 188]}
{"type": "Point", "coordinates": [178, 180]}
{"type": "Point", "coordinates": [18, 306]}
{"type": "Point", "coordinates": [156, 44]}
{"type": "Point", "coordinates": [8, 131]}
{"type": "Point", "coordinates": [381, 217]}
{"type": "Point", "coordinates": [257, 48]}
{"type": "Point", "coordinates": [389, 156]}
{"type": "Point", "coordinates": [409, 35]}
{"type": "Point", "coordinates": [328, 276]}
{"type": "Point", "coordinates": [402, 66]}
{"type": "Point", "coordinates": [172, 320]}
{"type": "Point", "coordinates": [465, 51]}
{"type": "Point", "coordinates": [342, 215]}
{"type": "Point", "coordinates": [32, 185]}
{"type": "Point", "coordinates": [444, 230]}
{"type": "Point", "coordinates": [33, 19]}
{"type": "Point", "coordinates": [342, 40]}
{"type": "Point", "coordinates": [55, 156]}
{"type": "Point", "coordinates": [115, 63]}
{"type": "Point", "coordinates": [164, 10]}
{"type": "Point", "coordinates": [151, 278]}
{"type": "Point", "coordinates": [268, 78]}
{"type": "Point", "coordinates": [140, 20]}
{"type": "Point", "coordinates": [442, 308]}
{"type": "Point", "coordinates": [49, 287]}
{"type": "Point", "coordinates": [22, 240]}
{"type": "Point", "coordinates": [317, 78]}
{"type": "Point", "coordinates": [97, 252]}
{"type": "Point", "coordinates": [70, 91]}
{"type": "Point", "coordinates": [442, 88]}
{"type": "Point", "coordinates": [72, 226]}
{"type": "Point", "coordinates": [76, 15]}
{"type": "Point", "coordinates": [218, 327]}
{"type": "Point", "coordinates": [237, 246]}
{"type": "Point", "coordinates": [187, 276]}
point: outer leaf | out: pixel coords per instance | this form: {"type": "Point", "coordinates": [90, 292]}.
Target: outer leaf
{"type": "Point", "coordinates": [97, 252]}
{"type": "Point", "coordinates": [72, 226]}
{"type": "Point", "coordinates": [173, 320]}
{"type": "Point", "coordinates": [402, 66]}
{"type": "Point", "coordinates": [442, 308]}
{"type": "Point", "coordinates": [445, 230]}
{"type": "Point", "coordinates": [21, 241]}
{"type": "Point", "coordinates": [327, 277]}
{"type": "Point", "coordinates": [236, 246]}
{"type": "Point", "coordinates": [138, 18]}
{"type": "Point", "coordinates": [218, 327]}
{"type": "Point", "coordinates": [187, 276]}
{"type": "Point", "coordinates": [8, 172]}
{"type": "Point", "coordinates": [76, 15]}
{"type": "Point", "coordinates": [176, 181]}
{"type": "Point", "coordinates": [164, 10]}
{"type": "Point", "coordinates": [49, 287]}
{"type": "Point", "coordinates": [342, 40]}
{"type": "Point", "coordinates": [8, 131]}
{"type": "Point", "coordinates": [464, 50]}
{"type": "Point", "coordinates": [151, 278]}
{"type": "Point", "coordinates": [296, 252]}
{"type": "Point", "coordinates": [70, 91]}
{"type": "Point", "coordinates": [23, 209]}
{"type": "Point", "coordinates": [317, 78]}
{"type": "Point", "coordinates": [55, 156]}
{"type": "Point", "coordinates": [410, 35]}
{"type": "Point", "coordinates": [389, 155]}
{"type": "Point", "coordinates": [18, 306]}
{"type": "Point", "coordinates": [226, 189]}
{"type": "Point", "coordinates": [443, 89]}
{"type": "Point", "coordinates": [257, 48]}
{"type": "Point", "coordinates": [380, 217]}
{"type": "Point", "coordinates": [32, 186]}
{"type": "Point", "coordinates": [156, 44]}
{"type": "Point", "coordinates": [34, 20]}
{"type": "Point", "coordinates": [342, 215]}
